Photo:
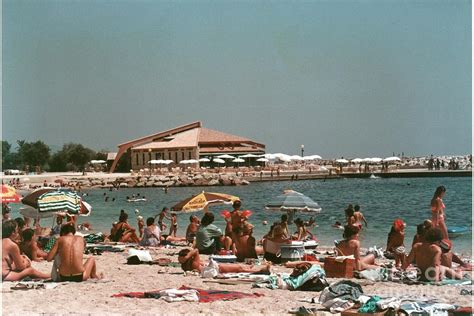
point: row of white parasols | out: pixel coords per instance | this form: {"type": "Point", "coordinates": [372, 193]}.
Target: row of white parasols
{"type": "Point", "coordinates": [374, 160]}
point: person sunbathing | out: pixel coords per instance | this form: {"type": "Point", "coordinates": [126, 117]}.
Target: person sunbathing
{"type": "Point", "coordinates": [350, 246]}
{"type": "Point", "coordinates": [190, 260]}
{"type": "Point", "coordinates": [29, 246]}
{"type": "Point", "coordinates": [395, 246]}
{"type": "Point", "coordinates": [70, 249]}
{"type": "Point", "coordinates": [427, 257]}
{"type": "Point", "coordinates": [448, 257]}
{"type": "Point", "coordinates": [15, 267]}
{"type": "Point", "coordinates": [122, 231]}
{"type": "Point", "coordinates": [151, 234]}
{"type": "Point", "coordinates": [245, 245]}
{"type": "Point", "coordinates": [272, 243]}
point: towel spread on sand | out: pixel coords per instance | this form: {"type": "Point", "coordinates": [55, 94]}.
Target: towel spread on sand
{"type": "Point", "coordinates": [288, 282]}
{"type": "Point", "coordinates": [190, 294]}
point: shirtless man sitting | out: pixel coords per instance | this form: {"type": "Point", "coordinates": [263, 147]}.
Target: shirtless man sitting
{"type": "Point", "coordinates": [351, 246]}
{"type": "Point", "coordinates": [15, 267]}
{"type": "Point", "coordinates": [29, 246]}
{"type": "Point", "coordinates": [427, 256]}
{"type": "Point", "coordinates": [245, 245]}
{"type": "Point", "coordinates": [190, 260]}
{"type": "Point", "coordinates": [70, 249]}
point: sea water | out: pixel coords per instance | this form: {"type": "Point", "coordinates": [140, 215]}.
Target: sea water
{"type": "Point", "coordinates": [381, 200]}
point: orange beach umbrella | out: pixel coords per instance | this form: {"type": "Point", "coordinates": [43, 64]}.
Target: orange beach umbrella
{"type": "Point", "coordinates": [9, 194]}
{"type": "Point", "coordinates": [200, 201]}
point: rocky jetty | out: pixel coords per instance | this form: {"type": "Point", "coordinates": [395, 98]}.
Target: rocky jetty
{"type": "Point", "coordinates": [182, 180]}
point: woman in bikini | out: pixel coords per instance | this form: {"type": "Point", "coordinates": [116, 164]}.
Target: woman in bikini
{"type": "Point", "coordinates": [437, 211]}
{"type": "Point", "coordinates": [123, 232]}
{"type": "Point", "coordinates": [15, 267]}
{"type": "Point", "coordinates": [351, 246]}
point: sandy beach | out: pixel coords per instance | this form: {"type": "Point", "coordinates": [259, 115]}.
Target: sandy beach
{"type": "Point", "coordinates": [94, 297]}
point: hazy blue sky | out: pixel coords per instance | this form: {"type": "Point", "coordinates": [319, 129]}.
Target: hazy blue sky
{"type": "Point", "coordinates": [344, 78]}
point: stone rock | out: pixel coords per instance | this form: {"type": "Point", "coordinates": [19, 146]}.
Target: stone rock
{"type": "Point", "coordinates": [197, 177]}
{"type": "Point", "coordinates": [245, 182]}
{"type": "Point", "coordinates": [140, 185]}
{"type": "Point", "coordinates": [150, 183]}
{"type": "Point", "coordinates": [213, 182]}
{"type": "Point", "coordinates": [168, 183]}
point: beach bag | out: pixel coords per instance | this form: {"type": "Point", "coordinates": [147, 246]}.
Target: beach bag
{"type": "Point", "coordinates": [138, 256]}
{"type": "Point", "coordinates": [211, 270]}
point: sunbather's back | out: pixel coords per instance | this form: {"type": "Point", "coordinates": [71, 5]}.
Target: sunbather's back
{"type": "Point", "coordinates": [70, 250]}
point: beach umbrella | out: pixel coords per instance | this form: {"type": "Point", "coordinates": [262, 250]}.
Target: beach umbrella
{"type": "Point", "coordinates": [225, 157]}
{"type": "Point", "coordinates": [249, 156]}
{"type": "Point", "coordinates": [342, 161]}
{"type": "Point", "coordinates": [95, 162]}
{"type": "Point", "coordinates": [32, 198]}
{"type": "Point", "coordinates": [167, 162]}
{"type": "Point", "coordinates": [9, 194]}
{"type": "Point", "coordinates": [193, 161]}
{"type": "Point", "coordinates": [293, 201]}
{"type": "Point", "coordinates": [218, 160]}
{"type": "Point", "coordinates": [199, 201]}
{"type": "Point", "coordinates": [238, 160]}
{"type": "Point", "coordinates": [376, 160]}
{"type": "Point", "coordinates": [204, 160]}
{"type": "Point", "coordinates": [270, 156]}
{"type": "Point", "coordinates": [357, 160]}
{"type": "Point", "coordinates": [296, 158]}
{"type": "Point", "coordinates": [59, 201]}
{"type": "Point", "coordinates": [155, 162]}
{"type": "Point", "coordinates": [184, 162]}
{"type": "Point", "coordinates": [262, 159]}
{"type": "Point", "coordinates": [391, 159]}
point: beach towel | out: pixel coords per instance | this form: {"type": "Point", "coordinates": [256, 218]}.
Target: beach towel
{"type": "Point", "coordinates": [205, 296]}
{"type": "Point", "coordinates": [307, 281]}
{"type": "Point", "coordinates": [94, 238]}
{"type": "Point", "coordinates": [340, 295]}
{"type": "Point", "coordinates": [426, 309]}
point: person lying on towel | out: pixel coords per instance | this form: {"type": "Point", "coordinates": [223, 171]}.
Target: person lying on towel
{"type": "Point", "coordinates": [190, 261]}
{"type": "Point", "coordinates": [70, 249]}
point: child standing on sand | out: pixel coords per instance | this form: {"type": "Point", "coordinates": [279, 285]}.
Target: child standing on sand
{"type": "Point", "coordinates": [173, 225]}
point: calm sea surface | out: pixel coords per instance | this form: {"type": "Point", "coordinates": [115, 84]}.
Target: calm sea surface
{"type": "Point", "coordinates": [381, 200]}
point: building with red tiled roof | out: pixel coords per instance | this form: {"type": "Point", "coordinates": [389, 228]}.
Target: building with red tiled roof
{"type": "Point", "coordinates": [191, 141]}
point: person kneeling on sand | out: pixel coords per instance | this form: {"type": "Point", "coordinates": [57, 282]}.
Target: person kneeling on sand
{"type": "Point", "coordinates": [70, 249]}
{"type": "Point", "coordinates": [427, 256]}
{"type": "Point", "coordinates": [395, 242]}
{"type": "Point", "coordinates": [190, 261]}
{"type": "Point", "coordinates": [15, 267]}
{"type": "Point", "coordinates": [350, 246]}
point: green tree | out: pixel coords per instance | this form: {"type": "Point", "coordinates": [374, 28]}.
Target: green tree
{"type": "Point", "coordinates": [58, 162]}
{"type": "Point", "coordinates": [33, 154]}
{"type": "Point", "coordinates": [5, 154]}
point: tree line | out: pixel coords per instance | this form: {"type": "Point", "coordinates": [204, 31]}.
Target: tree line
{"type": "Point", "coordinates": [37, 156]}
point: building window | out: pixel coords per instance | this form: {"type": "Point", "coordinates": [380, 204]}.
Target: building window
{"type": "Point", "coordinates": [189, 155]}
{"type": "Point", "coordinates": [144, 158]}
{"type": "Point", "coordinates": [176, 157]}
{"type": "Point", "coordinates": [149, 156]}
{"type": "Point", "coordinates": [182, 155]}
{"type": "Point", "coordinates": [169, 155]}
{"type": "Point", "coordinates": [137, 159]}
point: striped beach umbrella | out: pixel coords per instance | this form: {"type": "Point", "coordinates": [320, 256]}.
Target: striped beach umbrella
{"type": "Point", "coordinates": [60, 201]}
{"type": "Point", "coordinates": [9, 194]}
{"type": "Point", "coordinates": [293, 201]}
{"type": "Point", "coordinates": [199, 201]}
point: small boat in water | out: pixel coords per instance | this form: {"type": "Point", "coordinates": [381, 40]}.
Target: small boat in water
{"type": "Point", "coordinates": [456, 231]}
{"type": "Point", "coordinates": [136, 200]}
{"type": "Point", "coordinates": [372, 176]}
